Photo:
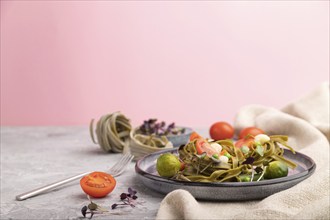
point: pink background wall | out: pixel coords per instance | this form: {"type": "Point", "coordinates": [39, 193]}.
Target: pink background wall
{"type": "Point", "coordinates": [63, 63]}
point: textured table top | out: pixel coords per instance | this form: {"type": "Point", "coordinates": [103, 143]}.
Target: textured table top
{"type": "Point", "coordinates": [34, 156]}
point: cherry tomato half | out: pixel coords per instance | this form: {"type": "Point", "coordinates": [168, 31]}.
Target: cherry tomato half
{"type": "Point", "coordinates": [250, 131]}
{"type": "Point", "coordinates": [98, 184]}
{"type": "Point", "coordinates": [203, 146]}
{"type": "Point", "coordinates": [221, 130]}
{"type": "Point", "coordinates": [194, 136]}
{"type": "Point", "coordinates": [244, 142]}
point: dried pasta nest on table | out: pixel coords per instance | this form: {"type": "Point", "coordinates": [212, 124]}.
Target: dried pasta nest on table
{"type": "Point", "coordinates": [112, 132]}
{"type": "Point", "coordinates": [141, 145]}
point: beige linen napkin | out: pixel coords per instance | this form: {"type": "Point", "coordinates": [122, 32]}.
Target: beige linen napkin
{"type": "Point", "coordinates": [306, 122]}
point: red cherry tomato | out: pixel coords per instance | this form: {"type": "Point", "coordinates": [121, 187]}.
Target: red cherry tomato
{"type": "Point", "coordinates": [250, 131]}
{"type": "Point", "coordinates": [221, 130]}
{"type": "Point", "coordinates": [203, 146]}
{"type": "Point", "coordinates": [244, 142]}
{"type": "Point", "coordinates": [97, 184]}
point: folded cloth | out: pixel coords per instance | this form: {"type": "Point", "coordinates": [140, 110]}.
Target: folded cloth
{"type": "Point", "coordinates": [306, 122]}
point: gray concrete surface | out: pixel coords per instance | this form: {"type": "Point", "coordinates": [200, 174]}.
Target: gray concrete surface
{"type": "Point", "coordinates": [34, 156]}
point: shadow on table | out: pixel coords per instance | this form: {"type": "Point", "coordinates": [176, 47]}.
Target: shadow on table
{"type": "Point", "coordinates": [140, 187]}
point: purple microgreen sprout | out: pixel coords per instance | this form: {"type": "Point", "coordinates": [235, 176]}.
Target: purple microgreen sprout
{"type": "Point", "coordinates": [258, 169]}
{"type": "Point", "coordinates": [249, 160]}
{"type": "Point", "coordinates": [84, 211]}
{"type": "Point", "coordinates": [151, 126]}
{"type": "Point", "coordinates": [126, 198]}
{"type": "Point", "coordinates": [92, 209]}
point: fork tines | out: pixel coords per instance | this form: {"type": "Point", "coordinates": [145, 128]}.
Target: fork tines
{"type": "Point", "coordinates": [120, 166]}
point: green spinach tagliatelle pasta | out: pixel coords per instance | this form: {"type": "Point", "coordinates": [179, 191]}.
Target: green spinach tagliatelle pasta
{"type": "Point", "coordinates": [112, 132]}
{"type": "Point", "coordinates": [242, 165]}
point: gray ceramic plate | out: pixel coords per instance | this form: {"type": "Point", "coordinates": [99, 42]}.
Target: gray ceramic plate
{"type": "Point", "coordinates": [230, 191]}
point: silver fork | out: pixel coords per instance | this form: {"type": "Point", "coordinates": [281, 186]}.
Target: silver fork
{"type": "Point", "coordinates": [115, 170]}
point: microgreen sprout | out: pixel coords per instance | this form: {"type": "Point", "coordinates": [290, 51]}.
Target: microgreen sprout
{"type": "Point", "coordinates": [151, 126]}
{"type": "Point", "coordinates": [249, 160]}
{"type": "Point", "coordinates": [92, 208]}
{"type": "Point", "coordinates": [262, 174]}
{"type": "Point", "coordinates": [126, 198]}
{"type": "Point", "coordinates": [252, 174]}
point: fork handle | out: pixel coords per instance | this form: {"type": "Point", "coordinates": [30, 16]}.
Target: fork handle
{"type": "Point", "coordinates": [50, 186]}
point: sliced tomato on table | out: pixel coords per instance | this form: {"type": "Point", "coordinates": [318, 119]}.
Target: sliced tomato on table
{"type": "Point", "coordinates": [98, 184]}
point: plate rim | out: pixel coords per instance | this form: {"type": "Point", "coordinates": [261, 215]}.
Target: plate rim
{"type": "Point", "coordinates": [309, 171]}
